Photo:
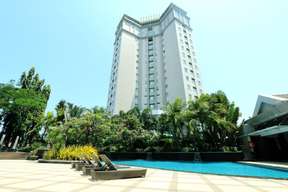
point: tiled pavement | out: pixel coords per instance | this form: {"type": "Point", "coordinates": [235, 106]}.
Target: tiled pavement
{"type": "Point", "coordinates": [22, 175]}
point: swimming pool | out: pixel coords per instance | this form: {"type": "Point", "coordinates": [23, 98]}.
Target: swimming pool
{"type": "Point", "coordinates": [220, 168]}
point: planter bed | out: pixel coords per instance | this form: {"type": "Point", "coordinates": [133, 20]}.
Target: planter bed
{"type": "Point", "coordinates": [57, 161]}
{"type": "Point", "coordinates": [176, 156]}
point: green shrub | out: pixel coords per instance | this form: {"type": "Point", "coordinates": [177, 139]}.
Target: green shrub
{"type": "Point", "coordinates": [230, 149]}
{"type": "Point", "coordinates": [25, 149]}
{"type": "Point", "coordinates": [50, 154]}
{"type": "Point", "coordinates": [186, 149]}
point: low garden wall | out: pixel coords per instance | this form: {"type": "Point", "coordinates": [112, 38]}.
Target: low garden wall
{"type": "Point", "coordinates": [177, 156]}
{"type": "Point", "coordinates": [13, 155]}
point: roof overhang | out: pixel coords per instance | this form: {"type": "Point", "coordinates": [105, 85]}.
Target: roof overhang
{"type": "Point", "coordinates": [275, 112]}
{"type": "Point", "coordinates": [270, 131]}
{"type": "Point", "coordinates": [272, 100]}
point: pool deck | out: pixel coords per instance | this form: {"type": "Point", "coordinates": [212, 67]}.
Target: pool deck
{"type": "Point", "coordinates": [23, 175]}
{"type": "Point", "coordinates": [276, 165]}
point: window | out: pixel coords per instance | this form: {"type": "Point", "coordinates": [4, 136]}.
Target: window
{"type": "Point", "coordinates": [151, 89]}
{"type": "Point", "coordinates": [150, 28]}
{"type": "Point", "coordinates": [150, 39]}
{"type": "Point", "coordinates": [193, 81]}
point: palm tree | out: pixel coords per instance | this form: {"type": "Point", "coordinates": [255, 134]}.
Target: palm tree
{"type": "Point", "coordinates": [176, 120]}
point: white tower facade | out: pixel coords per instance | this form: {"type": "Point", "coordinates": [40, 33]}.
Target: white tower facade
{"type": "Point", "coordinates": [153, 63]}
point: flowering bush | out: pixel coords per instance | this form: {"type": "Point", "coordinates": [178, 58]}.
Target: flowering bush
{"type": "Point", "coordinates": [73, 152]}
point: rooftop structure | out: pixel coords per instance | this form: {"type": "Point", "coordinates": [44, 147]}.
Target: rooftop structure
{"type": "Point", "coordinates": [266, 133]}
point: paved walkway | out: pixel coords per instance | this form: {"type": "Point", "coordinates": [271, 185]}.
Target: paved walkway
{"type": "Point", "coordinates": [22, 175]}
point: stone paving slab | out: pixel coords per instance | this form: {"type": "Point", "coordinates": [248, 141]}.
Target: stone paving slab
{"type": "Point", "coordinates": [30, 176]}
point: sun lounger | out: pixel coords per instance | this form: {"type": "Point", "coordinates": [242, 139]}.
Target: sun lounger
{"type": "Point", "coordinates": [78, 162]}
{"type": "Point", "coordinates": [97, 165]}
{"type": "Point", "coordinates": [113, 172]}
{"type": "Point", "coordinates": [84, 161]}
{"type": "Point", "coordinates": [118, 174]}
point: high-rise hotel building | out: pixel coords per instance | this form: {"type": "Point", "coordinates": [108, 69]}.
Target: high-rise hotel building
{"type": "Point", "coordinates": [153, 63]}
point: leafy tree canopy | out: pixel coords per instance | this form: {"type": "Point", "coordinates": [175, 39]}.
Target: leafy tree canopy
{"type": "Point", "coordinates": [22, 108]}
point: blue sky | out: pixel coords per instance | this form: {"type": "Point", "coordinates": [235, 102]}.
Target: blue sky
{"type": "Point", "coordinates": [241, 45]}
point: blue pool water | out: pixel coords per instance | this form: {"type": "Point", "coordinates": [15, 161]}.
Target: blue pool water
{"type": "Point", "coordinates": [221, 168]}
